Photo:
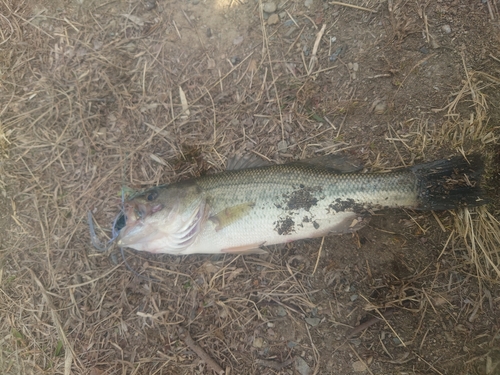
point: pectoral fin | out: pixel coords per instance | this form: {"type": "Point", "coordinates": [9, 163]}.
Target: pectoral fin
{"type": "Point", "coordinates": [246, 249]}
{"type": "Point", "coordinates": [230, 214]}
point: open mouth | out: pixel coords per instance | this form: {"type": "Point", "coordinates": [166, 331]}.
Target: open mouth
{"type": "Point", "coordinates": [118, 224]}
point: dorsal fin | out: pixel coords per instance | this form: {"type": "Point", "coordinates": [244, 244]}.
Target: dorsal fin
{"type": "Point", "coordinates": [244, 161]}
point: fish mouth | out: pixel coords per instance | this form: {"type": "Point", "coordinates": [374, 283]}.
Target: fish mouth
{"type": "Point", "coordinates": [128, 220]}
{"type": "Point", "coordinates": [119, 223]}
{"type": "Point", "coordinates": [131, 228]}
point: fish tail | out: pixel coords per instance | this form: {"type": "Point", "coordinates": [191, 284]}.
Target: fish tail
{"type": "Point", "coordinates": [450, 183]}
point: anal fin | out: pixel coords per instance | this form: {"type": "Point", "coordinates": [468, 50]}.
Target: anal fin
{"type": "Point", "coordinates": [246, 249]}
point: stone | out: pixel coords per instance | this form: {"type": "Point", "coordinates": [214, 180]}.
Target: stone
{"type": "Point", "coordinates": [313, 322]}
{"type": "Point", "coordinates": [358, 366]}
{"type": "Point", "coordinates": [273, 19]}
{"type": "Point", "coordinates": [302, 367]}
{"type": "Point", "coordinates": [258, 342]}
{"type": "Point", "coordinates": [269, 7]}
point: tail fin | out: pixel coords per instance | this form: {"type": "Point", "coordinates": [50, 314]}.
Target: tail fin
{"type": "Point", "coordinates": [450, 183]}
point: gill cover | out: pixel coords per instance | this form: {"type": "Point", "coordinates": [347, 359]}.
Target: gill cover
{"type": "Point", "coordinates": [164, 219]}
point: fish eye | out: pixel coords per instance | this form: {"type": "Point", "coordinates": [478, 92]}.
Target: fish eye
{"type": "Point", "coordinates": [152, 196]}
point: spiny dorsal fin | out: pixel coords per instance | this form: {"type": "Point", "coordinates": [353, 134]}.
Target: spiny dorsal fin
{"type": "Point", "coordinates": [245, 161]}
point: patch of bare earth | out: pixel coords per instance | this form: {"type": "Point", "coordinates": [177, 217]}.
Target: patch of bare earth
{"type": "Point", "coordinates": [93, 97]}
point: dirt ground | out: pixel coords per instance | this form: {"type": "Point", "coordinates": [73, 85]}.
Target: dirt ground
{"type": "Point", "coordinates": [92, 99]}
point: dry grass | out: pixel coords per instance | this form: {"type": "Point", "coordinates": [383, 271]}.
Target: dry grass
{"type": "Point", "coordinates": [478, 227]}
{"type": "Point", "coordinates": [94, 99]}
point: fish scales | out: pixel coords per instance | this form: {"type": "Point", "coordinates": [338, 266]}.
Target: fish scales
{"type": "Point", "coordinates": [240, 211]}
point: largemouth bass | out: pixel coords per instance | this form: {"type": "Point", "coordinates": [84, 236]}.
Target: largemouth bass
{"type": "Point", "coordinates": [238, 211]}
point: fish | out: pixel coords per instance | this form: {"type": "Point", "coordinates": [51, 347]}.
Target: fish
{"type": "Point", "coordinates": [252, 204]}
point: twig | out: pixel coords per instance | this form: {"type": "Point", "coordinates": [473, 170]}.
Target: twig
{"type": "Point", "coordinates": [352, 6]}
{"type": "Point", "coordinates": [186, 337]}
{"type": "Point", "coordinates": [315, 351]}
{"type": "Point", "coordinates": [278, 366]}
{"type": "Point", "coordinates": [492, 15]}
{"type": "Point", "coordinates": [70, 355]}
{"type": "Point", "coordinates": [265, 47]}
{"type": "Point", "coordinates": [176, 29]}
{"type": "Point", "coordinates": [446, 244]}
{"type": "Point", "coordinates": [311, 20]}
{"type": "Point", "coordinates": [429, 364]}
{"type": "Point", "coordinates": [314, 58]}
{"type": "Point", "coordinates": [319, 255]}
{"type": "Point", "coordinates": [438, 221]}
{"type": "Point", "coordinates": [386, 322]}
{"type": "Point", "coordinates": [386, 314]}
{"type": "Point", "coordinates": [472, 93]}
{"type": "Point", "coordinates": [494, 58]}
{"type": "Point", "coordinates": [293, 20]}
{"type": "Point", "coordinates": [360, 359]}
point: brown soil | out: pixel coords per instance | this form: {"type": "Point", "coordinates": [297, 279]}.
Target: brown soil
{"type": "Point", "coordinates": [91, 102]}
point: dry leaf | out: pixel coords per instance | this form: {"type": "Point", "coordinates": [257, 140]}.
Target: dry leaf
{"type": "Point", "coordinates": [184, 103]}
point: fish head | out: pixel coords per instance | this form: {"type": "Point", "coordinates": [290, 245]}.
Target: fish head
{"type": "Point", "coordinates": [162, 219]}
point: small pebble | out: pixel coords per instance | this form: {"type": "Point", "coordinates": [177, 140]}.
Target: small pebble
{"type": "Point", "coordinates": [358, 366]}
{"type": "Point", "coordinates": [273, 19]}
{"type": "Point", "coordinates": [302, 366]}
{"type": "Point", "coordinates": [150, 4]}
{"type": "Point", "coordinates": [424, 50]}
{"type": "Point", "coordinates": [282, 145]}
{"type": "Point", "coordinates": [313, 322]}
{"type": "Point", "coordinates": [196, 2]}
{"type": "Point", "coordinates": [258, 342]}
{"type": "Point", "coordinates": [334, 56]}
{"type": "Point", "coordinates": [380, 108]}
{"type": "Point", "coordinates": [355, 67]}
{"type": "Point", "coordinates": [308, 3]}
{"type": "Point", "coordinates": [282, 15]}
{"type": "Point", "coordinates": [333, 39]}
{"type": "Point", "coordinates": [446, 29]}
{"type": "Point", "coordinates": [281, 311]}
{"type": "Point", "coordinates": [269, 7]}
{"type": "Point", "coordinates": [354, 297]}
